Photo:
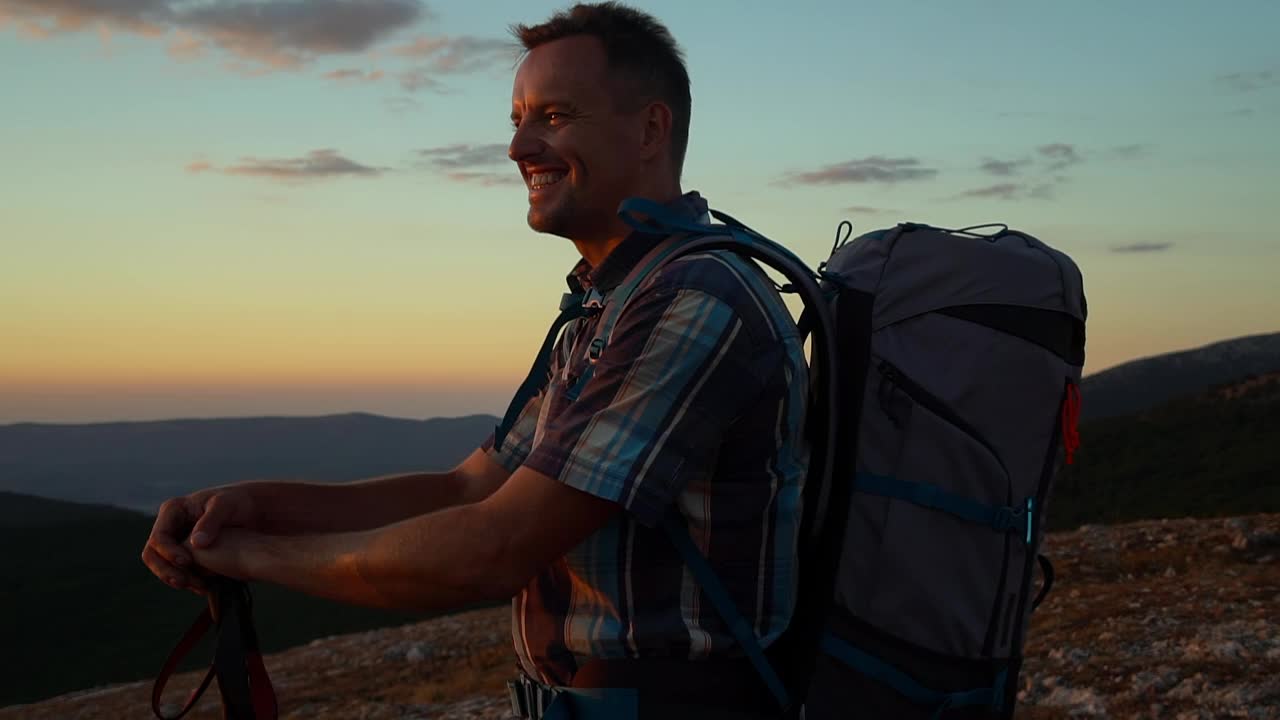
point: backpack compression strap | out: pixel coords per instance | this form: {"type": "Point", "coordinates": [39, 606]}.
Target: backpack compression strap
{"type": "Point", "coordinates": [237, 661]}
{"type": "Point", "coordinates": [882, 671]}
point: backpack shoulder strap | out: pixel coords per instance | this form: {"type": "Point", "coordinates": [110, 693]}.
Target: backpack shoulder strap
{"type": "Point", "coordinates": [822, 522]}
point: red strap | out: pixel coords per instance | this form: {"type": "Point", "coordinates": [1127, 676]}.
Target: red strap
{"type": "Point", "coordinates": [1071, 422]}
{"type": "Point", "coordinates": [232, 599]}
{"type": "Point", "coordinates": [264, 696]}
{"type": "Point", "coordinates": [184, 646]}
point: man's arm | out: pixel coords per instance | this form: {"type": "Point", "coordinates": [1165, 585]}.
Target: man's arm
{"type": "Point", "coordinates": [478, 552]}
{"type": "Point", "coordinates": [291, 508]}
{"type": "Point", "coordinates": [287, 508]}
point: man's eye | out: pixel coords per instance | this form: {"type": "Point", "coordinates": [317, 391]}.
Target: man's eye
{"type": "Point", "coordinates": [555, 117]}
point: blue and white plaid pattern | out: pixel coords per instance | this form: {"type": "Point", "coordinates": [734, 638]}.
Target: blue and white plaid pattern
{"type": "Point", "coordinates": [697, 403]}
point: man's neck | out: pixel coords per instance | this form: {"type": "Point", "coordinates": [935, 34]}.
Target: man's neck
{"type": "Point", "coordinates": [594, 250]}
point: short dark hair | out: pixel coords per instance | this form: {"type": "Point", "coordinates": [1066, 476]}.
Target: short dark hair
{"type": "Point", "coordinates": [638, 47]}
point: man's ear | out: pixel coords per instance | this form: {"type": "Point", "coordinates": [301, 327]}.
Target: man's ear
{"type": "Point", "coordinates": [657, 129]}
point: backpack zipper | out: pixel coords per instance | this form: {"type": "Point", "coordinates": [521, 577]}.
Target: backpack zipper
{"type": "Point", "coordinates": [935, 405]}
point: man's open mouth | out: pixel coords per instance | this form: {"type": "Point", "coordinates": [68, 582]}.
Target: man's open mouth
{"type": "Point", "coordinates": [537, 181]}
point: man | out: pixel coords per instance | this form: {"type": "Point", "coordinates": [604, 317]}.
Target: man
{"type": "Point", "coordinates": [695, 406]}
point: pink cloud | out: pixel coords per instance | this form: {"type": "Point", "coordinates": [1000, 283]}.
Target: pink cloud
{"type": "Point", "coordinates": [277, 35]}
{"type": "Point", "coordinates": [486, 179]}
{"type": "Point", "coordinates": [444, 55]}
{"type": "Point", "coordinates": [875, 169]}
{"type": "Point", "coordinates": [419, 79]}
{"type": "Point", "coordinates": [257, 37]}
{"type": "Point", "coordinates": [317, 164]}
{"type": "Point", "coordinates": [186, 46]}
{"type": "Point", "coordinates": [1010, 191]}
{"type": "Point", "coordinates": [43, 18]}
{"type": "Point", "coordinates": [353, 74]}
{"type": "Point", "coordinates": [465, 155]}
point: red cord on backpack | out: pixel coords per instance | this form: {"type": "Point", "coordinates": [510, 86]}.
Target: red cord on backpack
{"type": "Point", "coordinates": [1071, 422]}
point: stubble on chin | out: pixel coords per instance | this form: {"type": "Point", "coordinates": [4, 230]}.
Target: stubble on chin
{"type": "Point", "coordinates": [550, 223]}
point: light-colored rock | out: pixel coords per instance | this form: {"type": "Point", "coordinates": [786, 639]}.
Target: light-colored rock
{"type": "Point", "coordinates": [1186, 689]}
{"type": "Point", "coordinates": [1078, 702]}
{"type": "Point", "coordinates": [1230, 650]}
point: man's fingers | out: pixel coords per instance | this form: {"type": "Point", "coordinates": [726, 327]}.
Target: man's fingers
{"type": "Point", "coordinates": [196, 585]}
{"type": "Point", "coordinates": [217, 510]}
{"type": "Point", "coordinates": [161, 568]}
{"type": "Point", "coordinates": [167, 533]}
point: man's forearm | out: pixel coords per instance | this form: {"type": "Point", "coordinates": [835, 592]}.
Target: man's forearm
{"type": "Point", "coordinates": [295, 508]}
{"type": "Point", "coordinates": [436, 562]}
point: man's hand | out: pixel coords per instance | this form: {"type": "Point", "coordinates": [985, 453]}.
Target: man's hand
{"type": "Point", "coordinates": [234, 555]}
{"type": "Point", "coordinates": [197, 519]}
{"type": "Point", "coordinates": [438, 561]}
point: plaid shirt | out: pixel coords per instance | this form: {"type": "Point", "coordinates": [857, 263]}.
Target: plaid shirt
{"type": "Point", "coordinates": [697, 403]}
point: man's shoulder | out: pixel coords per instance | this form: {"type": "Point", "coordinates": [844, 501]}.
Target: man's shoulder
{"type": "Point", "coordinates": [731, 278]}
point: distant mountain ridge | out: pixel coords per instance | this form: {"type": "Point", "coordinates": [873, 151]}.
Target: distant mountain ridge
{"type": "Point", "coordinates": [19, 511]}
{"type": "Point", "coordinates": [140, 464]}
{"type": "Point", "coordinates": [1145, 383]}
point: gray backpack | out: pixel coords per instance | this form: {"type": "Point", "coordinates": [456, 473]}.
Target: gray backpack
{"type": "Point", "coordinates": [970, 398]}
{"type": "Point", "coordinates": [945, 367]}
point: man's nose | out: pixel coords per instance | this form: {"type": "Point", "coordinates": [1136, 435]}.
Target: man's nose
{"type": "Point", "coordinates": [524, 144]}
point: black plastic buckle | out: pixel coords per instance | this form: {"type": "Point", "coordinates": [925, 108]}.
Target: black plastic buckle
{"type": "Point", "coordinates": [1009, 518]}
{"type": "Point", "coordinates": [515, 692]}
{"type": "Point", "coordinates": [529, 698]}
{"type": "Point", "coordinates": [594, 299]}
{"type": "Point", "coordinates": [595, 350]}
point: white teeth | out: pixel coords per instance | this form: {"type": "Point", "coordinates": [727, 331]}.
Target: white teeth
{"type": "Point", "coordinates": [541, 180]}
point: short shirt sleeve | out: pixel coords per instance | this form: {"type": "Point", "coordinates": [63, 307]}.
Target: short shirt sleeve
{"type": "Point", "coordinates": [677, 370]}
{"type": "Point", "coordinates": [516, 445]}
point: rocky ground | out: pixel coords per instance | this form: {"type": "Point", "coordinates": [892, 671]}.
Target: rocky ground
{"type": "Point", "coordinates": [1175, 619]}
{"type": "Point", "coordinates": [1171, 619]}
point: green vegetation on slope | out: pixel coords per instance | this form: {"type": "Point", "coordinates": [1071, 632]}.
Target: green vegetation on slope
{"type": "Point", "coordinates": [1213, 455]}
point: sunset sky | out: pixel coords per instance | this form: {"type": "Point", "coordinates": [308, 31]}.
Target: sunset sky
{"type": "Point", "coordinates": [230, 208]}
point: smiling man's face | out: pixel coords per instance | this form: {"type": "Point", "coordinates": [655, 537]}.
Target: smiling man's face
{"type": "Point", "coordinates": [579, 155]}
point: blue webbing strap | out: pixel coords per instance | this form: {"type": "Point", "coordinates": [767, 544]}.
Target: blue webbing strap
{"type": "Point", "coordinates": [1000, 518]}
{"type": "Point", "coordinates": [593, 704]}
{"type": "Point", "coordinates": [719, 597]}
{"type": "Point", "coordinates": [883, 672]}
{"type": "Point", "coordinates": [678, 228]}
{"type": "Point", "coordinates": [662, 219]}
{"type": "Point", "coordinates": [571, 308]}
{"type": "Point", "coordinates": [617, 301]}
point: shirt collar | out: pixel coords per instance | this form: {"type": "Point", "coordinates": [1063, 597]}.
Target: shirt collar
{"type": "Point", "coordinates": [614, 268]}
